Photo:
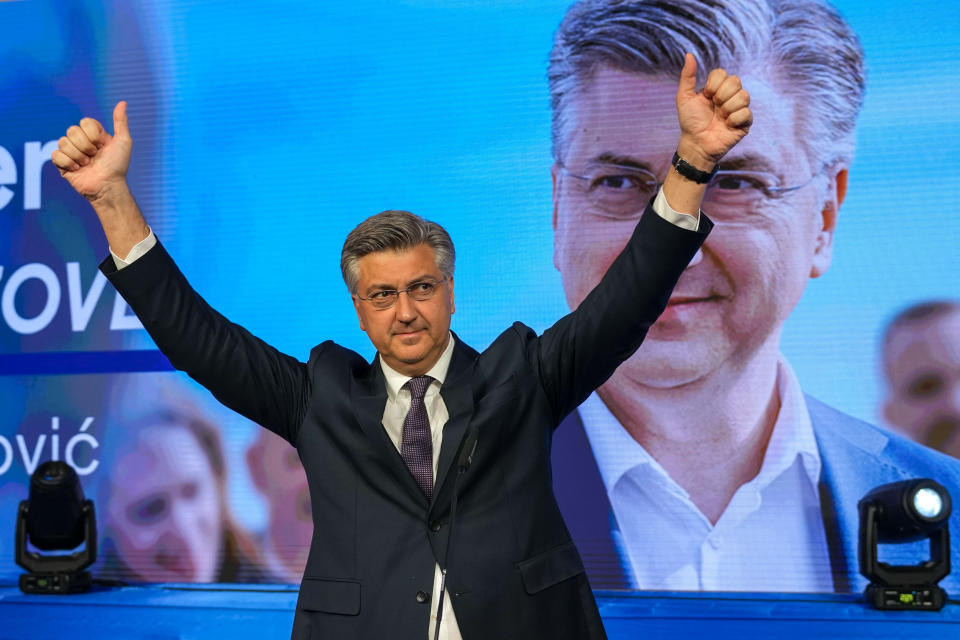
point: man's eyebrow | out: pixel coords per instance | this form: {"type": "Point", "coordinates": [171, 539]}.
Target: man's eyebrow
{"type": "Point", "coordinates": [391, 287]}
{"type": "Point", "coordinates": [380, 287]}
{"type": "Point", "coordinates": [749, 161]}
{"type": "Point", "coordinates": [620, 161]}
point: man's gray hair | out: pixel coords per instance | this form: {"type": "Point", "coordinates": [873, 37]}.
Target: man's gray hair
{"type": "Point", "coordinates": [809, 48]}
{"type": "Point", "coordinates": [394, 231]}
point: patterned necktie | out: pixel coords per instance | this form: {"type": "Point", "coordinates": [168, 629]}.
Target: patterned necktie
{"type": "Point", "coordinates": [416, 445]}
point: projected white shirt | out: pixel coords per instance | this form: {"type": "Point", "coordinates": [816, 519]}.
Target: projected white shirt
{"type": "Point", "coordinates": [770, 537]}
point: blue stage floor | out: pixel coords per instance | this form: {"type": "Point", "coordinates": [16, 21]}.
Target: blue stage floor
{"type": "Point", "coordinates": [188, 612]}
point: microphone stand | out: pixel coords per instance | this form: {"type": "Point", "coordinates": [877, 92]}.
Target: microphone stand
{"type": "Point", "coordinates": [466, 458]}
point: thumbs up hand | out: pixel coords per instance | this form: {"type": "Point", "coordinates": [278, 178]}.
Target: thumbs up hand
{"type": "Point", "coordinates": [93, 161]}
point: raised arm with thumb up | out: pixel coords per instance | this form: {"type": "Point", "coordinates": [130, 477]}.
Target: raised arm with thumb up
{"type": "Point", "coordinates": [95, 164]}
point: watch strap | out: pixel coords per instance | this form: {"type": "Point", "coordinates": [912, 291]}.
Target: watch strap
{"type": "Point", "coordinates": [690, 172]}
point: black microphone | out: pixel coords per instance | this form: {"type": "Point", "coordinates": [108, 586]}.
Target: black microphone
{"type": "Point", "coordinates": [467, 449]}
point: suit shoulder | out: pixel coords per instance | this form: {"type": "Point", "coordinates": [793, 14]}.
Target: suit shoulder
{"type": "Point", "coordinates": [330, 354]}
{"type": "Point", "coordinates": [510, 341]}
{"type": "Point", "coordinates": [834, 429]}
{"type": "Point", "coordinates": [516, 334]}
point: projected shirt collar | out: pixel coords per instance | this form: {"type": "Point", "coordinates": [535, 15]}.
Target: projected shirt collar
{"type": "Point", "coordinates": [617, 452]}
{"type": "Point", "coordinates": [671, 545]}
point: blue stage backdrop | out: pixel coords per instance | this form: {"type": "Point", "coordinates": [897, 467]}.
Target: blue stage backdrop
{"type": "Point", "coordinates": [264, 131]}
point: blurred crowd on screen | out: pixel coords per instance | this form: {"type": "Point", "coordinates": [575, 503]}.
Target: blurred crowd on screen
{"type": "Point", "coordinates": [162, 494]}
{"type": "Point", "coordinates": [920, 358]}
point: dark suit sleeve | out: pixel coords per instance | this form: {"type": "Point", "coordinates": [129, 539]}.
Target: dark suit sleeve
{"type": "Point", "coordinates": [583, 349]}
{"type": "Point", "coordinates": [243, 372]}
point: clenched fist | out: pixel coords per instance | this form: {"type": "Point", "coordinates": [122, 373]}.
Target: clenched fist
{"type": "Point", "coordinates": [714, 120]}
{"type": "Point", "coordinates": [95, 164]}
{"type": "Point", "coordinates": [92, 160]}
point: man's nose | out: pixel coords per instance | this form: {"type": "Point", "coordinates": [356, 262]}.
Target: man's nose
{"type": "Point", "coordinates": [405, 308]}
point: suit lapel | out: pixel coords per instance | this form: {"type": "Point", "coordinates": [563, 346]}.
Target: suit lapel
{"type": "Point", "coordinates": [851, 466]}
{"type": "Point", "coordinates": [582, 498]}
{"type": "Point", "coordinates": [457, 393]}
{"type": "Point", "coordinates": [368, 395]}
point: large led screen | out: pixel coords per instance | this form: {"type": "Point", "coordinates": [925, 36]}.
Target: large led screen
{"type": "Point", "coordinates": [728, 454]}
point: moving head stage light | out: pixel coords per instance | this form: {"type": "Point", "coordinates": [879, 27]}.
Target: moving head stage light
{"type": "Point", "coordinates": [56, 518]}
{"type": "Point", "coordinates": [902, 512]}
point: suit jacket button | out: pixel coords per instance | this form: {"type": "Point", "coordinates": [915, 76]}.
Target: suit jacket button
{"type": "Point", "coordinates": [422, 596]}
{"type": "Point", "coordinates": [435, 526]}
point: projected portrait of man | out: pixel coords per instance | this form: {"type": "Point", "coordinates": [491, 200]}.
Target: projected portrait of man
{"type": "Point", "coordinates": [921, 362]}
{"type": "Point", "coordinates": [710, 468]}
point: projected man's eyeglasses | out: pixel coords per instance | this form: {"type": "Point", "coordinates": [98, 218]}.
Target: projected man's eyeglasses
{"type": "Point", "coordinates": [622, 192]}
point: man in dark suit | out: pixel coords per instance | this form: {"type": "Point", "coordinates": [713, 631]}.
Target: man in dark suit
{"type": "Point", "coordinates": [386, 444]}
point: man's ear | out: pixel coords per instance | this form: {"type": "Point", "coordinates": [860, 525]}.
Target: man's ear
{"type": "Point", "coordinates": [554, 171]}
{"type": "Point", "coordinates": [898, 416]}
{"type": "Point", "coordinates": [889, 411]}
{"type": "Point", "coordinates": [555, 184]}
{"type": "Point", "coordinates": [356, 305]}
{"type": "Point", "coordinates": [835, 195]}
{"type": "Point", "coordinates": [450, 284]}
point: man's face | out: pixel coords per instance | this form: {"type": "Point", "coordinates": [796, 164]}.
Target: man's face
{"type": "Point", "coordinates": [923, 367]}
{"type": "Point", "coordinates": [737, 292]}
{"type": "Point", "coordinates": [410, 335]}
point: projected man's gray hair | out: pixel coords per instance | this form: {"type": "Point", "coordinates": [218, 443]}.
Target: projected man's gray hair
{"type": "Point", "coordinates": [810, 51]}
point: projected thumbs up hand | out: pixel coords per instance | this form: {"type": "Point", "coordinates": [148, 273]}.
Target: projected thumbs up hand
{"type": "Point", "coordinates": [95, 164]}
{"type": "Point", "coordinates": [93, 161]}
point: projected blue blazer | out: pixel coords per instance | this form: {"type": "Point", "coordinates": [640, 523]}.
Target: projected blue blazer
{"type": "Point", "coordinates": [513, 570]}
{"type": "Point", "coordinates": [856, 457]}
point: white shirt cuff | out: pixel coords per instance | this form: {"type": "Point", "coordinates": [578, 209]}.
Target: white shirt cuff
{"type": "Point", "coordinates": [684, 220]}
{"type": "Point", "coordinates": [142, 247]}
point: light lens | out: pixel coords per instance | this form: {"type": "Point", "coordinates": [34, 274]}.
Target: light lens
{"type": "Point", "coordinates": [928, 502]}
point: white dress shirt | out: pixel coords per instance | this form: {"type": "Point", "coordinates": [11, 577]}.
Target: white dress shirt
{"type": "Point", "coordinates": [398, 403]}
{"type": "Point", "coordinates": [770, 537]}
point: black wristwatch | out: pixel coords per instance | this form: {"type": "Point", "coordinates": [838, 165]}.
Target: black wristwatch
{"type": "Point", "coordinates": [690, 172]}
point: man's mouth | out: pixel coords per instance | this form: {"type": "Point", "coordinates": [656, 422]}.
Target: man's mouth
{"type": "Point", "coordinates": [680, 300]}
{"type": "Point", "coordinates": [174, 563]}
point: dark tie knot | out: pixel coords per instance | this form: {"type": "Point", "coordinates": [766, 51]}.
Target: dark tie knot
{"type": "Point", "coordinates": [418, 386]}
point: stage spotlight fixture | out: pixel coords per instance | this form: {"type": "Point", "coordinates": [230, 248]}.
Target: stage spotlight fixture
{"type": "Point", "coordinates": [58, 520]}
{"type": "Point", "coordinates": [903, 512]}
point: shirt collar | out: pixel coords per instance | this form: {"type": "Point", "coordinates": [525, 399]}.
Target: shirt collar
{"type": "Point", "coordinates": [792, 435]}
{"type": "Point", "coordinates": [615, 450]}
{"type": "Point", "coordinates": [617, 453]}
{"type": "Point", "coordinates": [396, 380]}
